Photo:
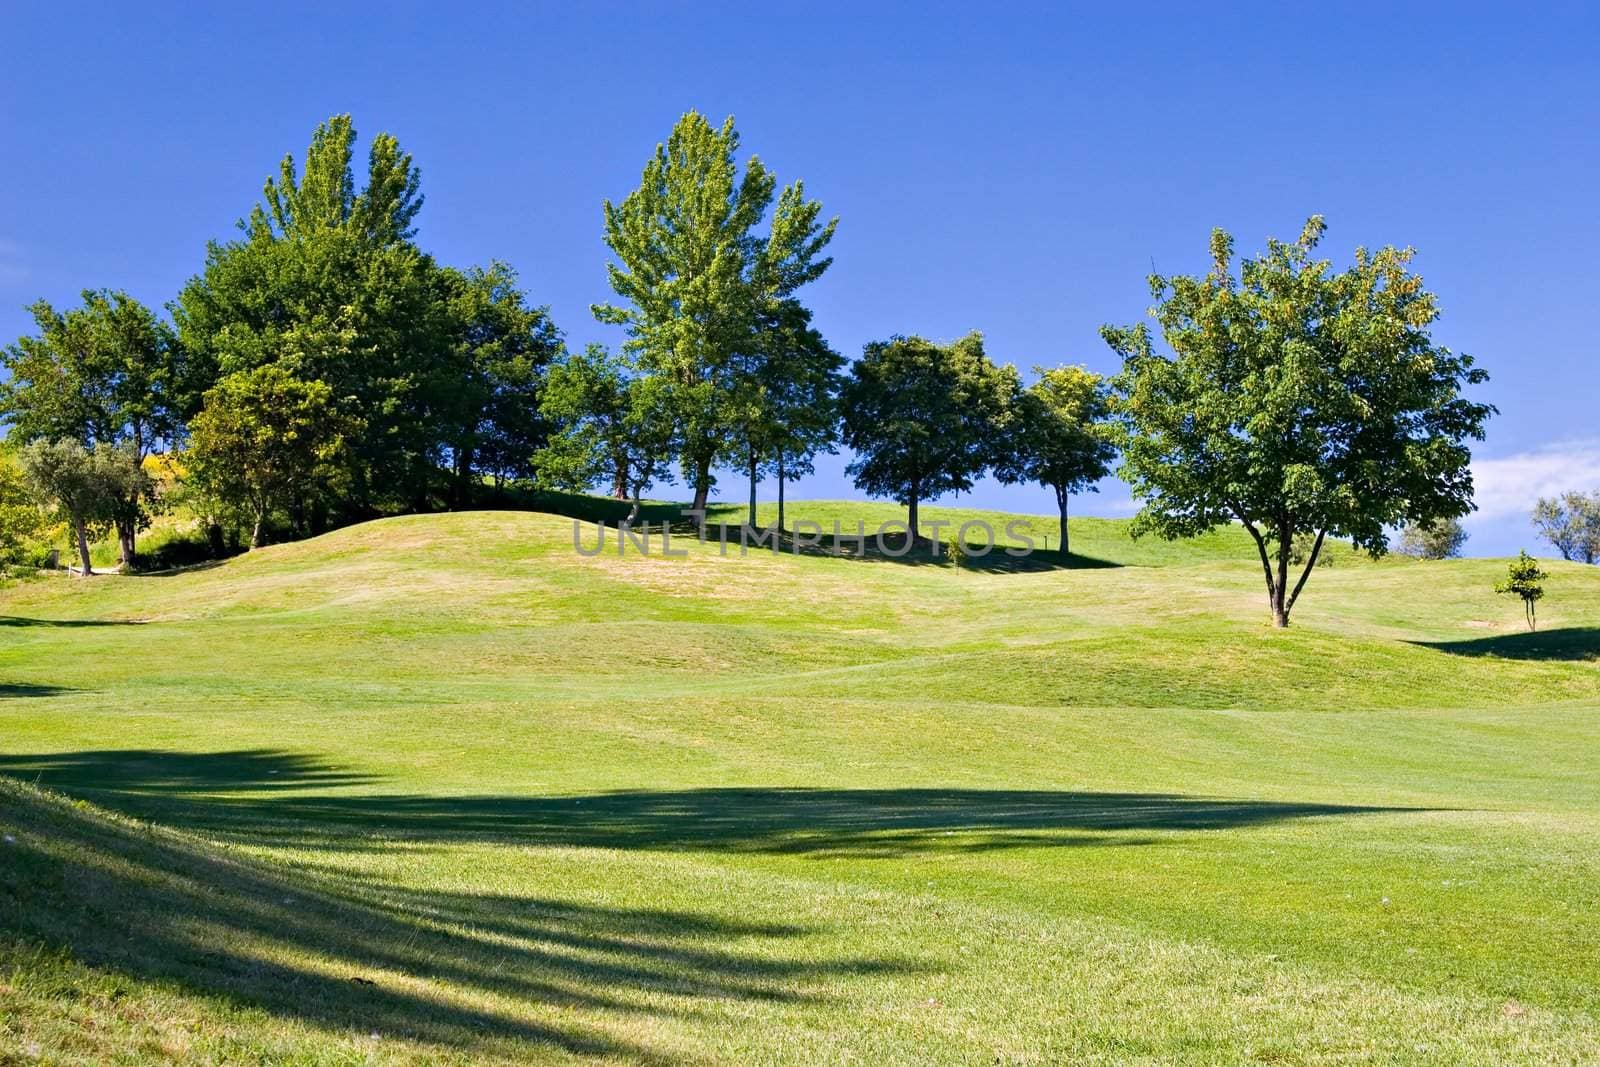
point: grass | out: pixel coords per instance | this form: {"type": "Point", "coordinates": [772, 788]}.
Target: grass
{"type": "Point", "coordinates": [438, 789]}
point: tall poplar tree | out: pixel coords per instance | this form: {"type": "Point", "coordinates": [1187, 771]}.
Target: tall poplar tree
{"type": "Point", "coordinates": [697, 282]}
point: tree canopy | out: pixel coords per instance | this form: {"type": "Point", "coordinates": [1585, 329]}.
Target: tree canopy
{"type": "Point", "coordinates": [924, 419]}
{"type": "Point", "coordinates": [701, 290]}
{"type": "Point", "coordinates": [1297, 398]}
{"type": "Point", "coordinates": [1060, 436]}
{"type": "Point", "coordinates": [1571, 523]}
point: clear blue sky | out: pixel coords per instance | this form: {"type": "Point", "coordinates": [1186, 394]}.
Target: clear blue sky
{"type": "Point", "coordinates": [1015, 174]}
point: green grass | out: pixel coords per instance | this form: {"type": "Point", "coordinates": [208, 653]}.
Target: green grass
{"type": "Point", "coordinates": [438, 789]}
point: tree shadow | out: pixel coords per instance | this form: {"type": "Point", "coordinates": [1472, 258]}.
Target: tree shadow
{"type": "Point", "coordinates": [18, 620]}
{"type": "Point", "coordinates": [895, 547]}
{"type": "Point", "coordinates": [1573, 643]}
{"type": "Point", "coordinates": [262, 796]}
{"type": "Point", "coordinates": [470, 971]}
{"type": "Point", "coordinates": [24, 689]}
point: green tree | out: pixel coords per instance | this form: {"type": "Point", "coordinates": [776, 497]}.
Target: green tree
{"type": "Point", "coordinates": [1525, 580]}
{"type": "Point", "coordinates": [924, 419]}
{"type": "Point", "coordinates": [102, 373]}
{"type": "Point", "coordinates": [790, 398]}
{"type": "Point", "coordinates": [610, 425]}
{"type": "Point", "coordinates": [261, 437]}
{"type": "Point", "coordinates": [1061, 436]}
{"type": "Point", "coordinates": [1571, 523]}
{"type": "Point", "coordinates": [86, 485]}
{"type": "Point", "coordinates": [326, 280]}
{"type": "Point", "coordinates": [1440, 539]}
{"type": "Point", "coordinates": [1297, 399]}
{"type": "Point", "coordinates": [22, 517]}
{"type": "Point", "coordinates": [698, 282]}
{"type": "Point", "coordinates": [489, 394]}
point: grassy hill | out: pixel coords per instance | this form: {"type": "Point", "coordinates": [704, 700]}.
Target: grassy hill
{"type": "Point", "coordinates": [438, 788]}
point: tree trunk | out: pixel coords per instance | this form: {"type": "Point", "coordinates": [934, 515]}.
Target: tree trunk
{"type": "Point", "coordinates": [702, 488]}
{"type": "Point", "coordinates": [780, 492]}
{"type": "Point", "coordinates": [126, 542]}
{"type": "Point", "coordinates": [753, 479]}
{"type": "Point", "coordinates": [911, 518]}
{"type": "Point", "coordinates": [214, 540]}
{"type": "Point", "coordinates": [83, 548]}
{"type": "Point", "coordinates": [619, 480]}
{"type": "Point", "coordinates": [1062, 497]}
{"type": "Point", "coordinates": [256, 534]}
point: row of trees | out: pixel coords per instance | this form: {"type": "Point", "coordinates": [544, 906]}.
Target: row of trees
{"type": "Point", "coordinates": [323, 368]}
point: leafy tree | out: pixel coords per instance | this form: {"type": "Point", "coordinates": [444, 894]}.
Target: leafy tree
{"type": "Point", "coordinates": [490, 391]}
{"type": "Point", "coordinates": [1571, 523]}
{"type": "Point", "coordinates": [1297, 399]}
{"type": "Point", "coordinates": [86, 485]}
{"type": "Point", "coordinates": [611, 425]}
{"type": "Point", "coordinates": [1441, 539]}
{"type": "Point", "coordinates": [790, 395]}
{"type": "Point", "coordinates": [698, 281]}
{"type": "Point", "coordinates": [924, 418]}
{"type": "Point", "coordinates": [1525, 579]}
{"type": "Point", "coordinates": [102, 373]}
{"type": "Point", "coordinates": [1060, 436]}
{"type": "Point", "coordinates": [326, 280]}
{"type": "Point", "coordinates": [261, 437]}
{"type": "Point", "coordinates": [22, 518]}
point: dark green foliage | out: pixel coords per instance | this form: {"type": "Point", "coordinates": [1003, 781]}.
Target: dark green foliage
{"type": "Point", "coordinates": [266, 440]}
{"type": "Point", "coordinates": [1060, 436]}
{"type": "Point", "coordinates": [611, 424]}
{"type": "Point", "coordinates": [1297, 399]}
{"type": "Point", "coordinates": [1525, 580]}
{"type": "Point", "coordinates": [436, 369]}
{"type": "Point", "coordinates": [709, 305]}
{"type": "Point", "coordinates": [924, 419]}
{"type": "Point", "coordinates": [102, 373]}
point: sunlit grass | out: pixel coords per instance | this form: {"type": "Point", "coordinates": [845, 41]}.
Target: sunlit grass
{"type": "Point", "coordinates": [800, 809]}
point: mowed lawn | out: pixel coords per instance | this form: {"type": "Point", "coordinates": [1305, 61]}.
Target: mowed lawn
{"type": "Point", "coordinates": [439, 789]}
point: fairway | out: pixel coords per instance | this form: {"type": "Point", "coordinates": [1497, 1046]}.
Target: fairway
{"type": "Point", "coordinates": [439, 789]}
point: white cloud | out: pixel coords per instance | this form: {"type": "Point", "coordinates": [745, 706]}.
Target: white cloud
{"type": "Point", "coordinates": [1508, 486]}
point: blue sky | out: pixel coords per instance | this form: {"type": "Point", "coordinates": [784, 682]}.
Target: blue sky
{"type": "Point", "coordinates": [1017, 174]}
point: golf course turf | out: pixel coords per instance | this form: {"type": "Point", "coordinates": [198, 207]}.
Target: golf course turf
{"type": "Point", "coordinates": [440, 789]}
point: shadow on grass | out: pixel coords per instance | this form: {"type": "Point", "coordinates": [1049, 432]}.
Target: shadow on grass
{"type": "Point", "coordinates": [483, 972]}
{"type": "Point", "coordinates": [24, 689]}
{"type": "Point", "coordinates": [258, 797]}
{"type": "Point", "coordinates": [890, 548]}
{"type": "Point", "coordinates": [18, 620]}
{"type": "Point", "coordinates": [1570, 643]}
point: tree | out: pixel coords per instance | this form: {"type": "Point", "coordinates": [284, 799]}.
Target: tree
{"type": "Point", "coordinates": [102, 373]}
{"type": "Point", "coordinates": [1297, 399]}
{"type": "Point", "coordinates": [1060, 436]}
{"type": "Point", "coordinates": [262, 436]}
{"type": "Point", "coordinates": [1525, 579]}
{"type": "Point", "coordinates": [611, 425]}
{"type": "Point", "coordinates": [87, 486]}
{"type": "Point", "coordinates": [1441, 539]}
{"type": "Point", "coordinates": [1571, 523]}
{"type": "Point", "coordinates": [788, 400]}
{"type": "Point", "coordinates": [696, 279]}
{"type": "Point", "coordinates": [489, 394]}
{"type": "Point", "coordinates": [22, 518]}
{"type": "Point", "coordinates": [326, 280]}
{"type": "Point", "coordinates": [923, 418]}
